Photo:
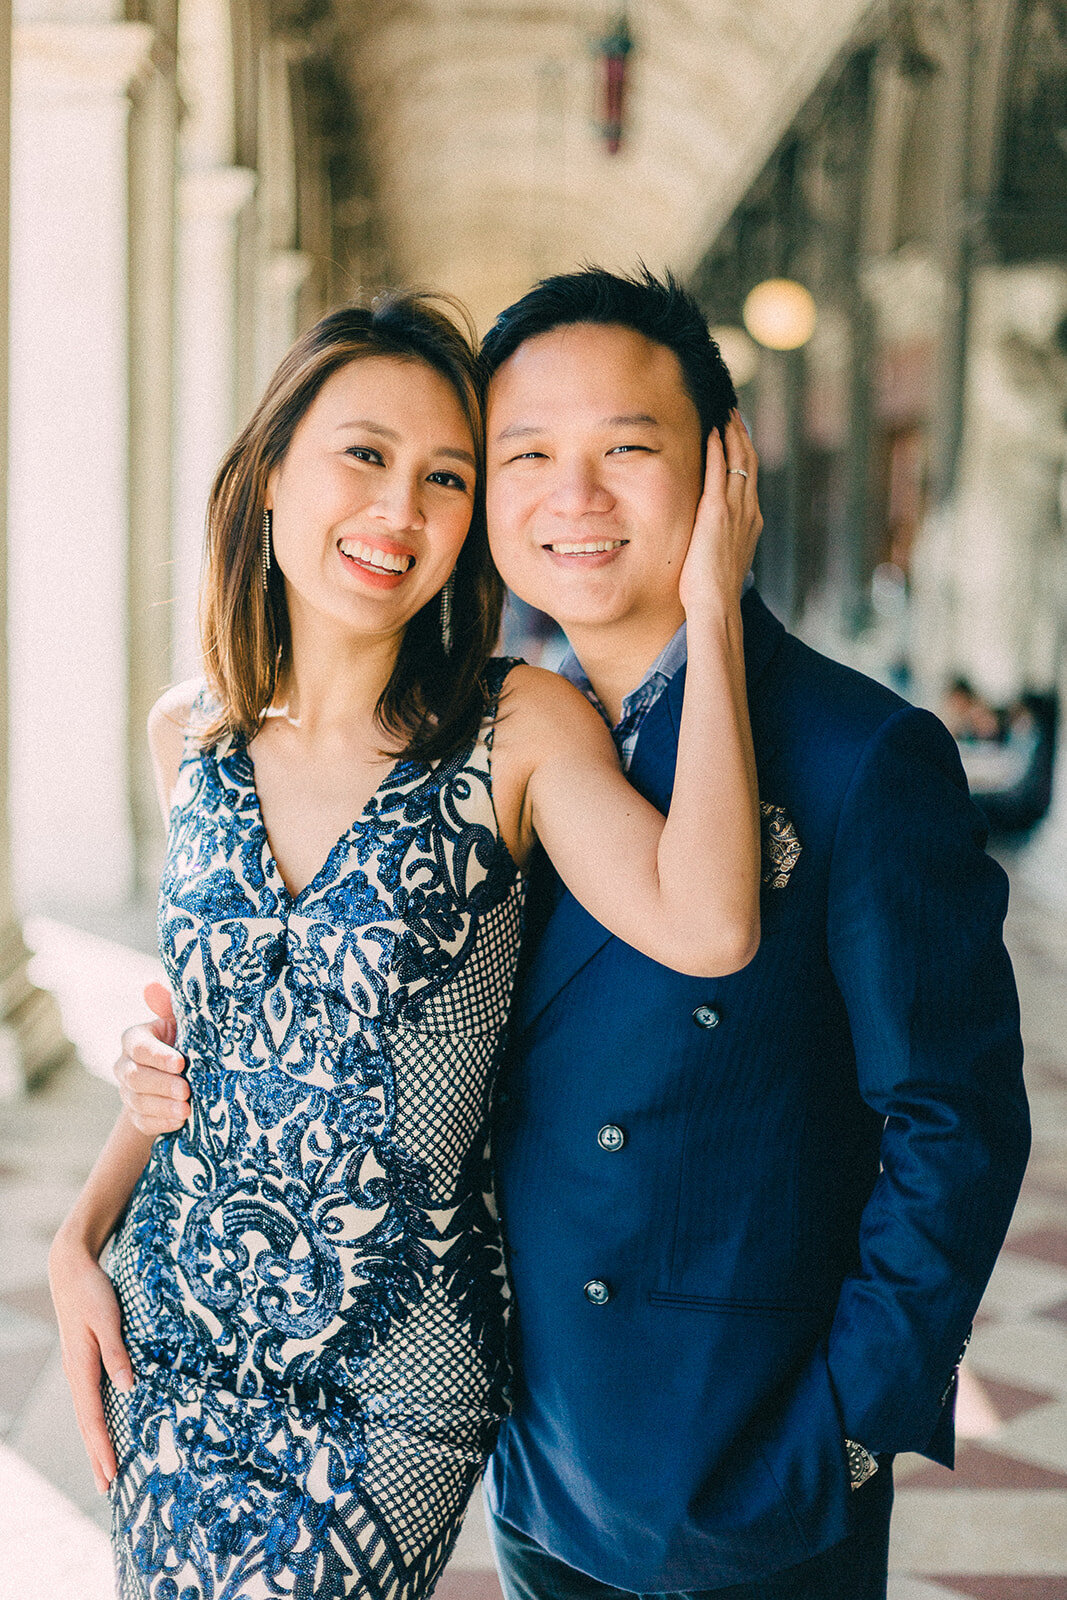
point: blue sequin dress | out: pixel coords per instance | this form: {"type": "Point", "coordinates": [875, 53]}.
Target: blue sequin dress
{"type": "Point", "coordinates": [310, 1272]}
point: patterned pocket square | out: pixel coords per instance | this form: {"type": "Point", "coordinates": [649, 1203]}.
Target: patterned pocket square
{"type": "Point", "coordinates": [781, 847]}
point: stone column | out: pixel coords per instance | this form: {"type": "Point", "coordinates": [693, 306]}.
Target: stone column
{"type": "Point", "coordinates": [154, 118]}
{"type": "Point", "coordinates": [69, 501]}
{"type": "Point", "coordinates": [210, 203]}
{"type": "Point", "coordinates": [31, 1039]}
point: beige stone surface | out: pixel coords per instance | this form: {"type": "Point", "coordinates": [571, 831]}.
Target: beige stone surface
{"type": "Point", "coordinates": [480, 118]}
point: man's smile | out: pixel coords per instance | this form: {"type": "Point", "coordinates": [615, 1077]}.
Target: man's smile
{"type": "Point", "coordinates": [585, 547]}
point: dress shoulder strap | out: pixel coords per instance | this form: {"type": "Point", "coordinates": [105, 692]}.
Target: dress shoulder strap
{"type": "Point", "coordinates": [496, 672]}
{"type": "Point", "coordinates": [204, 708]}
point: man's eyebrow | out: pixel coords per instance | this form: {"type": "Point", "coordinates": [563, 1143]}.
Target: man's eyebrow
{"type": "Point", "coordinates": [519, 430]}
{"type": "Point", "coordinates": [383, 432]}
{"type": "Point", "coordinates": [633, 419]}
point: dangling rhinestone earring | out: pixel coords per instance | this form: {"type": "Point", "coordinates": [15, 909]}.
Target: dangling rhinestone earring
{"type": "Point", "coordinates": [265, 551]}
{"type": "Point", "coordinates": [446, 613]}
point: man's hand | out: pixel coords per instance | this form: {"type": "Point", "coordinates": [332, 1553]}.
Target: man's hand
{"type": "Point", "coordinates": [728, 522]}
{"type": "Point", "coordinates": [90, 1332]}
{"type": "Point", "coordinates": [150, 1072]}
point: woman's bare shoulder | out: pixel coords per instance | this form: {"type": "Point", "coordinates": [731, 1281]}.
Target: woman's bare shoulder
{"type": "Point", "coordinates": [169, 722]}
{"type": "Point", "coordinates": [542, 715]}
{"type": "Point", "coordinates": [536, 692]}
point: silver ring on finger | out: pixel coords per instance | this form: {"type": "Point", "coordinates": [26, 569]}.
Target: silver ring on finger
{"type": "Point", "coordinates": [738, 471]}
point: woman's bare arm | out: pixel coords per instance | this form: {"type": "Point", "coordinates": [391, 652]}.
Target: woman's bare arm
{"type": "Point", "coordinates": [90, 1324]}
{"type": "Point", "coordinates": [685, 891]}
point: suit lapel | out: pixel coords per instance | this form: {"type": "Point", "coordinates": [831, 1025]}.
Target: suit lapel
{"type": "Point", "coordinates": [571, 937]}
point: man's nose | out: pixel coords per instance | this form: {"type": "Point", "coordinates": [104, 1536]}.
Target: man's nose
{"type": "Point", "coordinates": [579, 491]}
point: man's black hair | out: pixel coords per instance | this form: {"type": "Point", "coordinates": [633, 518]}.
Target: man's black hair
{"type": "Point", "coordinates": [659, 308]}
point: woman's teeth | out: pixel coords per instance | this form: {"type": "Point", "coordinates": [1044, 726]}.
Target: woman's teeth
{"type": "Point", "coordinates": [592, 547]}
{"type": "Point", "coordinates": [383, 560]}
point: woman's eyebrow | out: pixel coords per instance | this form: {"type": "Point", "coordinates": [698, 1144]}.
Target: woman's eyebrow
{"type": "Point", "coordinates": [383, 432]}
{"type": "Point", "coordinates": [370, 427]}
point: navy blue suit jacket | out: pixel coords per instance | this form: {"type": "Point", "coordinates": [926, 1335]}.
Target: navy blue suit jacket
{"type": "Point", "coordinates": [810, 1195]}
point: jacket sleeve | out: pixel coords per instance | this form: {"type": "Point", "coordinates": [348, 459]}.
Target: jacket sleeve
{"type": "Point", "coordinates": [916, 910]}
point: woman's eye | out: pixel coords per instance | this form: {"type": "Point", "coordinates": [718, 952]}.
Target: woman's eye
{"type": "Point", "coordinates": [363, 452]}
{"type": "Point", "coordinates": [450, 480]}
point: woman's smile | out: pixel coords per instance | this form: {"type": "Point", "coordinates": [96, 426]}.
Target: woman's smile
{"type": "Point", "coordinates": [383, 566]}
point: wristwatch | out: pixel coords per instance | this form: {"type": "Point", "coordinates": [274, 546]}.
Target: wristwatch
{"type": "Point", "coordinates": [861, 1464]}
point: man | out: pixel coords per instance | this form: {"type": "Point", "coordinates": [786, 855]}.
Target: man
{"type": "Point", "coordinates": [749, 1220]}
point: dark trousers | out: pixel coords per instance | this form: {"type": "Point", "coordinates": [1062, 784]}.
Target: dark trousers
{"type": "Point", "coordinates": [855, 1569]}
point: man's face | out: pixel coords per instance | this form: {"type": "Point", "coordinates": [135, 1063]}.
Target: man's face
{"type": "Point", "coordinates": [595, 467]}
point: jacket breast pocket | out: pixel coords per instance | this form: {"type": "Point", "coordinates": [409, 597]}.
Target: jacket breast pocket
{"type": "Point", "coordinates": [753, 1306]}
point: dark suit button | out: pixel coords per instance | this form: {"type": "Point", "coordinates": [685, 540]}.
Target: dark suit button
{"type": "Point", "coordinates": [610, 1137]}
{"type": "Point", "coordinates": [597, 1293]}
{"type": "Point", "coordinates": [707, 1017]}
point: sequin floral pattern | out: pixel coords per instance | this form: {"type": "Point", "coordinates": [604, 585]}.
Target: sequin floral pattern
{"type": "Point", "coordinates": [310, 1272]}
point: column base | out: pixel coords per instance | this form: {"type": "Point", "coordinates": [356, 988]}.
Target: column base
{"type": "Point", "coordinates": [32, 1042]}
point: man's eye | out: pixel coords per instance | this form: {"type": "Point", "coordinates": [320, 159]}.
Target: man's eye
{"type": "Point", "coordinates": [363, 452]}
{"type": "Point", "coordinates": [626, 449]}
{"type": "Point", "coordinates": [449, 480]}
{"type": "Point", "coordinates": [529, 455]}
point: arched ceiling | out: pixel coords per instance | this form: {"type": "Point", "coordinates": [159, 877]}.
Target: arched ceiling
{"type": "Point", "coordinates": [480, 127]}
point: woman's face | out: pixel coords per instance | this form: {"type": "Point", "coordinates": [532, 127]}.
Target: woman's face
{"type": "Point", "coordinates": [373, 499]}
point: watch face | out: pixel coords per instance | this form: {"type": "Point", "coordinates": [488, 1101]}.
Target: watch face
{"type": "Point", "coordinates": [861, 1464]}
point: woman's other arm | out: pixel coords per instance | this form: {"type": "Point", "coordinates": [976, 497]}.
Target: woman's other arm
{"type": "Point", "coordinates": [90, 1324]}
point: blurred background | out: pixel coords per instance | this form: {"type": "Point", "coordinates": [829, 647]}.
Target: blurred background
{"type": "Point", "coordinates": [870, 201]}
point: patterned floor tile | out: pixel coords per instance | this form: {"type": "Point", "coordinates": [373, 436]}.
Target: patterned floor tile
{"type": "Point", "coordinates": [902, 1586]}
{"type": "Point", "coordinates": [1023, 1284]}
{"type": "Point", "coordinates": [1029, 1351]}
{"type": "Point", "coordinates": [1043, 1244]}
{"type": "Point", "coordinates": [1007, 1588]}
{"type": "Point", "coordinates": [1040, 1436]}
{"type": "Point", "coordinates": [34, 1299]}
{"type": "Point", "coordinates": [939, 1531]}
{"type": "Point", "coordinates": [463, 1584]}
{"type": "Point", "coordinates": [978, 1467]}
{"type": "Point", "coordinates": [1010, 1400]}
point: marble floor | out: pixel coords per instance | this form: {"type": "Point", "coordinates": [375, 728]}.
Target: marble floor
{"type": "Point", "coordinates": [995, 1529]}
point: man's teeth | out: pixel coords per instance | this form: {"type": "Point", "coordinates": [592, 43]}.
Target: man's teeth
{"type": "Point", "coordinates": [384, 560]}
{"type": "Point", "coordinates": [592, 547]}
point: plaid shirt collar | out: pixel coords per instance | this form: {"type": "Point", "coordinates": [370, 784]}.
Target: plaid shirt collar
{"type": "Point", "coordinates": [639, 702]}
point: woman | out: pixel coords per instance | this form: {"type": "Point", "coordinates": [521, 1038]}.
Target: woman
{"type": "Point", "coordinates": [310, 1272]}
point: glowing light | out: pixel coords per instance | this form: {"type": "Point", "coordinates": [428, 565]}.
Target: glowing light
{"type": "Point", "coordinates": [780, 314]}
{"type": "Point", "coordinates": [739, 353]}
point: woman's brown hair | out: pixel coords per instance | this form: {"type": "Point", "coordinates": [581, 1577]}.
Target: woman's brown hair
{"type": "Point", "coordinates": [434, 701]}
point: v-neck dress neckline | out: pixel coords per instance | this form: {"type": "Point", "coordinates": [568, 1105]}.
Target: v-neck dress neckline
{"type": "Point", "coordinates": [244, 768]}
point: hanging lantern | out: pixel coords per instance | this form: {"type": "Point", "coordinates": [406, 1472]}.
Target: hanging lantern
{"type": "Point", "coordinates": [612, 52]}
{"type": "Point", "coordinates": [780, 314]}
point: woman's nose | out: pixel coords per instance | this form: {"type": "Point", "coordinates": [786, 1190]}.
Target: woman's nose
{"type": "Point", "coordinates": [398, 503]}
